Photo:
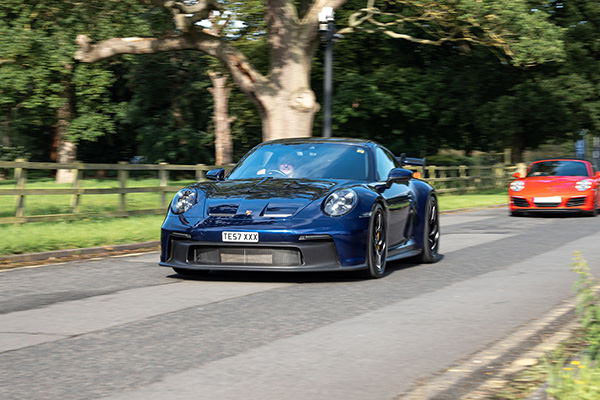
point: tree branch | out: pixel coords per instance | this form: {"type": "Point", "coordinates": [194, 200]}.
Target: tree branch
{"type": "Point", "coordinates": [242, 71]}
{"type": "Point", "coordinates": [134, 45]}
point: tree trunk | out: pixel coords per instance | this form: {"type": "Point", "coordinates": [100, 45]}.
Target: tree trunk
{"type": "Point", "coordinates": [66, 150]}
{"type": "Point", "coordinates": [289, 115]}
{"type": "Point", "coordinates": [223, 143]}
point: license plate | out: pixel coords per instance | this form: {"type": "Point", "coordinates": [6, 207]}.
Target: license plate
{"type": "Point", "coordinates": [244, 237]}
{"type": "Point", "coordinates": [555, 199]}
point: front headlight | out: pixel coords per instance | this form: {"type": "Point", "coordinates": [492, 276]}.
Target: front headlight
{"type": "Point", "coordinates": [184, 200]}
{"type": "Point", "coordinates": [340, 202]}
{"type": "Point", "coordinates": [584, 185]}
{"type": "Point", "coordinates": [517, 186]}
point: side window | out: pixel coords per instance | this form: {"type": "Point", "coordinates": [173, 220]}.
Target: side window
{"type": "Point", "coordinates": [385, 163]}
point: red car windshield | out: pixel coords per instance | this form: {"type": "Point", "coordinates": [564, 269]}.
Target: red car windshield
{"type": "Point", "coordinates": [558, 168]}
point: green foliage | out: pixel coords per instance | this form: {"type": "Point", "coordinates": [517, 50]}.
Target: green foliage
{"type": "Point", "coordinates": [588, 305]}
{"type": "Point", "coordinates": [449, 160]}
{"type": "Point", "coordinates": [170, 108]}
{"type": "Point", "coordinates": [8, 153]}
{"type": "Point", "coordinates": [417, 98]}
{"type": "Point", "coordinates": [576, 380]}
{"type": "Point", "coordinates": [579, 377]}
{"type": "Point", "coordinates": [519, 29]}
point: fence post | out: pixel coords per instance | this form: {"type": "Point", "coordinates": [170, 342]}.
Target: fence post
{"type": "Point", "coordinates": [199, 172]}
{"type": "Point", "coordinates": [20, 178]}
{"type": "Point", "coordinates": [163, 176]}
{"type": "Point", "coordinates": [522, 169]}
{"type": "Point", "coordinates": [462, 175]}
{"type": "Point", "coordinates": [443, 183]}
{"type": "Point", "coordinates": [507, 156]}
{"type": "Point", "coordinates": [431, 172]}
{"type": "Point", "coordinates": [499, 175]}
{"type": "Point", "coordinates": [123, 176]}
{"type": "Point", "coordinates": [76, 185]}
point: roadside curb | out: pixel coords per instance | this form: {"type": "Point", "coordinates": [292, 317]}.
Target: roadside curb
{"type": "Point", "coordinates": [56, 255]}
{"type": "Point", "coordinates": [481, 375]}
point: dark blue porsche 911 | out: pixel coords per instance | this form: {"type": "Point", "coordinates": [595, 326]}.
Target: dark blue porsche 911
{"type": "Point", "coordinates": [316, 204]}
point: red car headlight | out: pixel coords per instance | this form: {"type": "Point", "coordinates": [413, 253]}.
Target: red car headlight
{"type": "Point", "coordinates": [584, 185]}
{"type": "Point", "coordinates": [517, 186]}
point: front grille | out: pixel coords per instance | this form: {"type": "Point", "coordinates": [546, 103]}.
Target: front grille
{"type": "Point", "coordinates": [245, 256]}
{"type": "Point", "coordinates": [576, 201]}
{"type": "Point", "coordinates": [547, 205]}
{"type": "Point", "coordinates": [520, 202]}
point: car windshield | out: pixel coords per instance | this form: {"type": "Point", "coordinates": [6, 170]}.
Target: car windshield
{"type": "Point", "coordinates": [558, 168]}
{"type": "Point", "coordinates": [304, 161]}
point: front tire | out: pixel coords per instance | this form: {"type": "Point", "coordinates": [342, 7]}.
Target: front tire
{"type": "Point", "coordinates": [376, 244]}
{"type": "Point", "coordinates": [431, 232]}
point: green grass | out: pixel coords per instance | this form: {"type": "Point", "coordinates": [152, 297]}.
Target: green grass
{"type": "Point", "coordinates": [487, 198]}
{"type": "Point", "coordinates": [45, 236]}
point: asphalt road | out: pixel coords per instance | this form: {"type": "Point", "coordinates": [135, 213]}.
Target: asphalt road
{"type": "Point", "coordinates": [124, 328]}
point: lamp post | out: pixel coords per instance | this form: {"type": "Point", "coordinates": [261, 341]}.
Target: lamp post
{"type": "Point", "coordinates": [327, 31]}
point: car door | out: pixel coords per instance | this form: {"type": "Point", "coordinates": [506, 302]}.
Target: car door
{"type": "Point", "coordinates": [396, 195]}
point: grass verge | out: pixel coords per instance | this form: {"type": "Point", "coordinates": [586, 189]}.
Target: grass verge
{"type": "Point", "coordinates": [486, 198]}
{"type": "Point", "coordinates": [46, 236]}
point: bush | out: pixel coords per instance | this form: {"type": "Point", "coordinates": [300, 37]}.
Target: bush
{"type": "Point", "coordinates": [449, 160]}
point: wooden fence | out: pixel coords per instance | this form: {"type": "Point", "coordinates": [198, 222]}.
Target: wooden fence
{"type": "Point", "coordinates": [461, 179]}
{"type": "Point", "coordinates": [123, 169]}
{"type": "Point", "coordinates": [465, 179]}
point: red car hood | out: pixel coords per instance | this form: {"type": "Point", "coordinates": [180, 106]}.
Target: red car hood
{"type": "Point", "coordinates": [552, 182]}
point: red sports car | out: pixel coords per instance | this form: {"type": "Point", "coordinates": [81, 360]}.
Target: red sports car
{"type": "Point", "coordinates": [560, 184]}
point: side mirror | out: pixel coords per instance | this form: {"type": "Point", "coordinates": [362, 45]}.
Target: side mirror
{"type": "Point", "coordinates": [217, 174]}
{"type": "Point", "coordinates": [399, 174]}
{"type": "Point", "coordinates": [517, 175]}
{"type": "Point", "coordinates": [597, 174]}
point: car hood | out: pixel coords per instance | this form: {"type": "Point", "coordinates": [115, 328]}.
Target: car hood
{"type": "Point", "coordinates": [552, 182]}
{"type": "Point", "coordinates": [269, 197]}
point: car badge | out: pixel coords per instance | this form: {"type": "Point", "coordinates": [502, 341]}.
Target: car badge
{"type": "Point", "coordinates": [248, 212]}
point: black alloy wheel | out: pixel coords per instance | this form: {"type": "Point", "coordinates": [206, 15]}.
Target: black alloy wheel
{"type": "Point", "coordinates": [377, 244]}
{"type": "Point", "coordinates": [431, 232]}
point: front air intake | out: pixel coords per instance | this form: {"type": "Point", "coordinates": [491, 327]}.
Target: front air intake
{"type": "Point", "coordinates": [246, 256]}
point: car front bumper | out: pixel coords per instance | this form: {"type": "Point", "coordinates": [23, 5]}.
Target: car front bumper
{"type": "Point", "coordinates": [318, 255]}
{"type": "Point", "coordinates": [561, 203]}
{"type": "Point", "coordinates": [301, 245]}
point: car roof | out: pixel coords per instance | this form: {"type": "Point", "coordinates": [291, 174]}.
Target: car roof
{"type": "Point", "coordinates": [561, 159]}
{"type": "Point", "coordinates": [351, 141]}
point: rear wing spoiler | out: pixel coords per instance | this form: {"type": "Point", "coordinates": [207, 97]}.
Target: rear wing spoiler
{"type": "Point", "coordinates": [420, 162]}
